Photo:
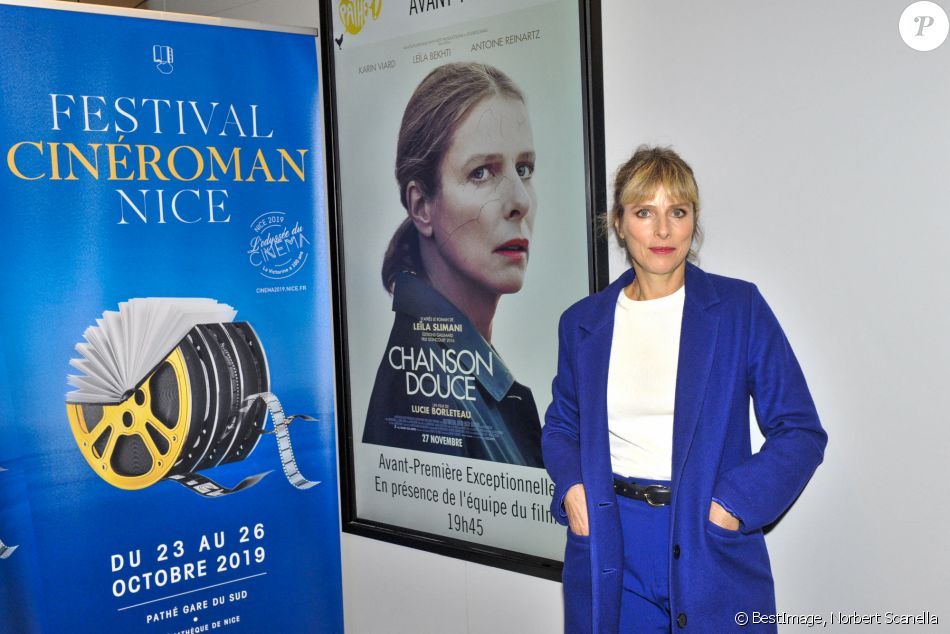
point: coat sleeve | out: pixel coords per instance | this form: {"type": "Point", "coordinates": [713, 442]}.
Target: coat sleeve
{"type": "Point", "coordinates": [560, 443]}
{"type": "Point", "coordinates": [761, 488]}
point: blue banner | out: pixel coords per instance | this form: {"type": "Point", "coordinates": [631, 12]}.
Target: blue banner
{"type": "Point", "coordinates": [158, 176]}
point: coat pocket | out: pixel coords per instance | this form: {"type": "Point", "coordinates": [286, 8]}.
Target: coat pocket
{"type": "Point", "coordinates": [578, 595]}
{"type": "Point", "coordinates": [572, 535]}
{"type": "Point", "coordinates": [719, 531]}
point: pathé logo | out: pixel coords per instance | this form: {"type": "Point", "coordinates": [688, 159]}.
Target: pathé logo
{"type": "Point", "coordinates": [353, 13]}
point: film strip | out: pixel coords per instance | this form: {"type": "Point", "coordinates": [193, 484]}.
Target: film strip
{"type": "Point", "coordinates": [282, 431]}
{"type": "Point", "coordinates": [204, 405]}
{"type": "Point", "coordinates": [210, 489]}
{"type": "Point", "coordinates": [5, 551]}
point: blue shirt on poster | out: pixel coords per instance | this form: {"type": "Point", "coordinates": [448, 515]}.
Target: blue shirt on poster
{"type": "Point", "coordinates": [442, 388]}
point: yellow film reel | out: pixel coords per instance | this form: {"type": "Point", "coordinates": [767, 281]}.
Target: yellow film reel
{"type": "Point", "coordinates": [135, 443]}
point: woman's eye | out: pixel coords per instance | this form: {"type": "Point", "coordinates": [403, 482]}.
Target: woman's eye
{"type": "Point", "coordinates": [525, 170]}
{"type": "Point", "coordinates": [480, 173]}
{"type": "Point", "coordinates": [643, 213]}
{"type": "Point", "coordinates": [679, 213]}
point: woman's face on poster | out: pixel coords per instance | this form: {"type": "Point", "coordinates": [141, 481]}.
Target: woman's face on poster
{"type": "Point", "coordinates": [484, 211]}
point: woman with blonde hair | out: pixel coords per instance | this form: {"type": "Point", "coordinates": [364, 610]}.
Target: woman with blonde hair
{"type": "Point", "coordinates": [647, 438]}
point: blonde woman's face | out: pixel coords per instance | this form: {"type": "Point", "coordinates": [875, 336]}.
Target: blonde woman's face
{"type": "Point", "coordinates": [658, 232]}
{"type": "Point", "coordinates": [484, 212]}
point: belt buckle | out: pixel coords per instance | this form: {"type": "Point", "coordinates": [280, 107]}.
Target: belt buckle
{"type": "Point", "coordinates": [646, 494]}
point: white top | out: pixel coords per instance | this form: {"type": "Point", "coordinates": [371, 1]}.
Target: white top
{"type": "Point", "coordinates": [641, 385]}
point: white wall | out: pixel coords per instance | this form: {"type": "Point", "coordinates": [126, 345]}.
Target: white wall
{"type": "Point", "coordinates": [393, 589]}
{"type": "Point", "coordinates": [822, 148]}
{"type": "Point", "coordinates": [821, 143]}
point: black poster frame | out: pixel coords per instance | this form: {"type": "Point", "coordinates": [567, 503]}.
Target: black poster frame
{"type": "Point", "coordinates": [591, 57]}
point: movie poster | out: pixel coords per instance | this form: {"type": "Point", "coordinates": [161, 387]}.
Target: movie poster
{"type": "Point", "coordinates": [464, 220]}
{"type": "Point", "coordinates": [167, 436]}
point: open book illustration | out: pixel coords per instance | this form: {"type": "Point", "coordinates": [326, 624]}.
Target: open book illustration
{"type": "Point", "coordinates": [169, 387]}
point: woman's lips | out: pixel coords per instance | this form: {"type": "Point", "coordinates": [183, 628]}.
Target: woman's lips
{"type": "Point", "coordinates": [514, 249]}
{"type": "Point", "coordinates": [662, 250]}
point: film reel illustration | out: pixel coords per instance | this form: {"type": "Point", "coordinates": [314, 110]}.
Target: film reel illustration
{"type": "Point", "coordinates": [5, 551]}
{"type": "Point", "coordinates": [204, 404]}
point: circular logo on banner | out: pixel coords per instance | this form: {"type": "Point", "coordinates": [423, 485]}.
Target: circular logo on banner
{"type": "Point", "coordinates": [924, 26]}
{"type": "Point", "coordinates": [279, 247]}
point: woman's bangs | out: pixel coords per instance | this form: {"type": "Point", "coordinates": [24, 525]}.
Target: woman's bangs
{"type": "Point", "coordinates": [678, 184]}
{"type": "Point", "coordinates": [682, 188]}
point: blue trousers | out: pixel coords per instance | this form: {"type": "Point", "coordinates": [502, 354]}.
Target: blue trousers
{"type": "Point", "coordinates": [645, 602]}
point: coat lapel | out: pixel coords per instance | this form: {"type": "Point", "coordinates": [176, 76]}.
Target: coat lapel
{"type": "Point", "coordinates": [697, 348]}
{"type": "Point", "coordinates": [698, 335]}
{"type": "Point", "coordinates": [593, 365]}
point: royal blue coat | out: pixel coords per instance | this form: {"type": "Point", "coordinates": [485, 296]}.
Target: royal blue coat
{"type": "Point", "coordinates": [731, 349]}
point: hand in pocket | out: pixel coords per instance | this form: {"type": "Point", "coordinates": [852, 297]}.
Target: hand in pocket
{"type": "Point", "coordinates": [575, 503]}
{"type": "Point", "coordinates": [722, 518]}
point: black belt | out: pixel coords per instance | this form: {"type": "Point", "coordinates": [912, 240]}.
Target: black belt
{"type": "Point", "coordinates": [652, 494]}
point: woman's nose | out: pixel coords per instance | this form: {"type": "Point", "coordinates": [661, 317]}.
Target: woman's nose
{"type": "Point", "coordinates": [518, 202]}
{"type": "Point", "coordinates": [662, 227]}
